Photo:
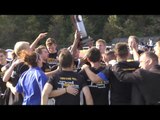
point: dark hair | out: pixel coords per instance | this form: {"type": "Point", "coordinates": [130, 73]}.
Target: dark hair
{"type": "Point", "coordinates": [50, 41]}
{"type": "Point", "coordinates": [121, 49]}
{"type": "Point", "coordinates": [94, 54]}
{"type": "Point", "coordinates": [39, 49]}
{"type": "Point", "coordinates": [3, 51]}
{"type": "Point", "coordinates": [135, 38]}
{"type": "Point", "coordinates": [61, 50]}
{"type": "Point", "coordinates": [65, 59]}
{"type": "Point", "coordinates": [32, 59]}
{"type": "Point", "coordinates": [111, 54]}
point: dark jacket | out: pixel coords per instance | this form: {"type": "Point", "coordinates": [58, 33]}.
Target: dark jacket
{"type": "Point", "coordinates": [146, 84]}
{"type": "Point", "coordinates": [121, 91]}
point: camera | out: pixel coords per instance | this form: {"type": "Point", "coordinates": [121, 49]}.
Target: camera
{"type": "Point", "coordinates": [81, 28]}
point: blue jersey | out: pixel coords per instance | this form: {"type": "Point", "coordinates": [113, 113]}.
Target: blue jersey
{"type": "Point", "coordinates": [31, 84]}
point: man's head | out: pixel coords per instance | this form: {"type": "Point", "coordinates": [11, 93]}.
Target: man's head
{"type": "Point", "coordinates": [109, 55]}
{"type": "Point", "coordinates": [3, 57]}
{"type": "Point", "coordinates": [43, 52]}
{"type": "Point", "coordinates": [101, 45]}
{"type": "Point", "coordinates": [93, 54]}
{"type": "Point", "coordinates": [51, 45]}
{"type": "Point", "coordinates": [65, 59]}
{"type": "Point", "coordinates": [148, 60]}
{"type": "Point", "coordinates": [133, 40]}
{"type": "Point", "coordinates": [121, 50]}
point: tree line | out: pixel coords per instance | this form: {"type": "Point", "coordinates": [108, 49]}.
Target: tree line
{"type": "Point", "coordinates": [15, 28]}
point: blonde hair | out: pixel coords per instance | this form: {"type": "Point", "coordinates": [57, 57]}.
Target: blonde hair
{"type": "Point", "coordinates": [158, 48]}
{"type": "Point", "coordinates": [101, 41]}
{"type": "Point", "coordinates": [20, 46]}
{"type": "Point", "coordinates": [135, 38]}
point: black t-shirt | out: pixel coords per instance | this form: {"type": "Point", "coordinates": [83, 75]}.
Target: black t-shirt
{"type": "Point", "coordinates": [2, 84]}
{"type": "Point", "coordinates": [18, 70]}
{"type": "Point", "coordinates": [45, 67]}
{"type": "Point", "coordinates": [99, 90]}
{"type": "Point", "coordinates": [120, 91]}
{"type": "Point", "coordinates": [52, 59]}
{"type": "Point", "coordinates": [64, 79]}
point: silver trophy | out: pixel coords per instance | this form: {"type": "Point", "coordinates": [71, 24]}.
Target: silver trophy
{"type": "Point", "coordinates": [81, 28]}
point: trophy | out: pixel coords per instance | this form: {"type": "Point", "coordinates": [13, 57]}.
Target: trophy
{"type": "Point", "coordinates": [79, 26]}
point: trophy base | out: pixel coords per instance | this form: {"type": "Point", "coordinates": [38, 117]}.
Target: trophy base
{"type": "Point", "coordinates": [85, 41]}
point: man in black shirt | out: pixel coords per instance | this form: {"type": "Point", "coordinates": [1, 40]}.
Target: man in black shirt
{"type": "Point", "coordinates": [52, 49]}
{"type": "Point", "coordinates": [66, 85]}
{"type": "Point", "coordinates": [98, 90]}
{"type": "Point", "coordinates": [146, 80]}
{"type": "Point", "coordinates": [120, 91]}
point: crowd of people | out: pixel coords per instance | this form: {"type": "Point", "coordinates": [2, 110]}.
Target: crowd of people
{"type": "Point", "coordinates": [46, 75]}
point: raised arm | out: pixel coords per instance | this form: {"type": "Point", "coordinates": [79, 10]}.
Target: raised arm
{"type": "Point", "coordinates": [75, 43]}
{"type": "Point", "coordinates": [36, 41]}
{"type": "Point", "coordinates": [135, 51]}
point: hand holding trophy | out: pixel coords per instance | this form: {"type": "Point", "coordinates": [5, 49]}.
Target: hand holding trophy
{"type": "Point", "coordinates": [79, 26]}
